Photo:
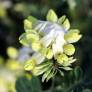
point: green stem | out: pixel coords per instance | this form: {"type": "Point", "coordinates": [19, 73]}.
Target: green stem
{"type": "Point", "coordinates": [52, 86]}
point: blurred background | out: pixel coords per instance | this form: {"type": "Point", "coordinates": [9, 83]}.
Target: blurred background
{"type": "Point", "coordinates": [12, 76]}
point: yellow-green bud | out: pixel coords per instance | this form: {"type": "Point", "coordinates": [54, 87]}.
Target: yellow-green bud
{"type": "Point", "coordinates": [69, 49]}
{"type": "Point", "coordinates": [51, 16]}
{"type": "Point", "coordinates": [66, 24]}
{"type": "Point", "coordinates": [13, 65]}
{"type": "Point", "coordinates": [72, 36]}
{"type": "Point", "coordinates": [35, 71]}
{"type": "Point", "coordinates": [43, 51]}
{"type": "Point", "coordinates": [30, 64]}
{"type": "Point", "coordinates": [61, 58]}
{"type": "Point", "coordinates": [27, 24]}
{"type": "Point", "coordinates": [61, 19]}
{"type": "Point", "coordinates": [12, 52]}
{"type": "Point", "coordinates": [32, 37]}
{"type": "Point", "coordinates": [36, 46]}
{"type": "Point", "coordinates": [49, 53]}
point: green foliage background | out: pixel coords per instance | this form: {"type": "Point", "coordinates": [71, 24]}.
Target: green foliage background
{"type": "Point", "coordinates": [79, 12]}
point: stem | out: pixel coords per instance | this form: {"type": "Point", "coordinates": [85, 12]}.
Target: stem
{"type": "Point", "coordinates": [52, 86]}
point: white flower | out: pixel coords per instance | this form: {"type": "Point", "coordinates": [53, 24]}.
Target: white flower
{"type": "Point", "coordinates": [53, 34]}
{"type": "Point", "coordinates": [51, 42]}
{"type": "Point", "coordinates": [24, 54]}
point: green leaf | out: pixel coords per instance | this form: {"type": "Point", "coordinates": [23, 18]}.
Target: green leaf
{"type": "Point", "coordinates": [25, 85]}
{"type": "Point", "coordinates": [71, 60]}
{"type": "Point", "coordinates": [42, 65]}
{"type": "Point", "coordinates": [37, 71]}
{"type": "Point", "coordinates": [51, 16]}
{"type": "Point", "coordinates": [66, 68]}
{"type": "Point", "coordinates": [46, 74]}
{"type": "Point", "coordinates": [78, 73]}
{"type": "Point", "coordinates": [61, 73]}
{"type": "Point", "coordinates": [87, 90]}
{"type": "Point", "coordinates": [52, 74]}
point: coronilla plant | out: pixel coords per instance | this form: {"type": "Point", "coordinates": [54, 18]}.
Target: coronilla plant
{"type": "Point", "coordinates": [52, 44]}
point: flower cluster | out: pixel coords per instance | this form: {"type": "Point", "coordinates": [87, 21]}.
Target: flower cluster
{"type": "Point", "coordinates": [51, 42]}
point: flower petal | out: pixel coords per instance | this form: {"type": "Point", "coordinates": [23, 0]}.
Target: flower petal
{"type": "Point", "coordinates": [58, 44]}
{"type": "Point", "coordinates": [46, 40]}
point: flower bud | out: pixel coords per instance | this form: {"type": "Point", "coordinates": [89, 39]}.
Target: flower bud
{"type": "Point", "coordinates": [61, 58]}
{"type": "Point", "coordinates": [12, 52]}
{"type": "Point", "coordinates": [69, 49]}
{"type": "Point", "coordinates": [36, 46]}
{"type": "Point", "coordinates": [51, 16]}
{"type": "Point", "coordinates": [61, 20]}
{"type": "Point", "coordinates": [32, 37]}
{"type": "Point", "coordinates": [66, 24]}
{"type": "Point", "coordinates": [49, 53]}
{"type": "Point", "coordinates": [30, 64]}
{"type": "Point", "coordinates": [27, 24]}
{"type": "Point", "coordinates": [72, 36]}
